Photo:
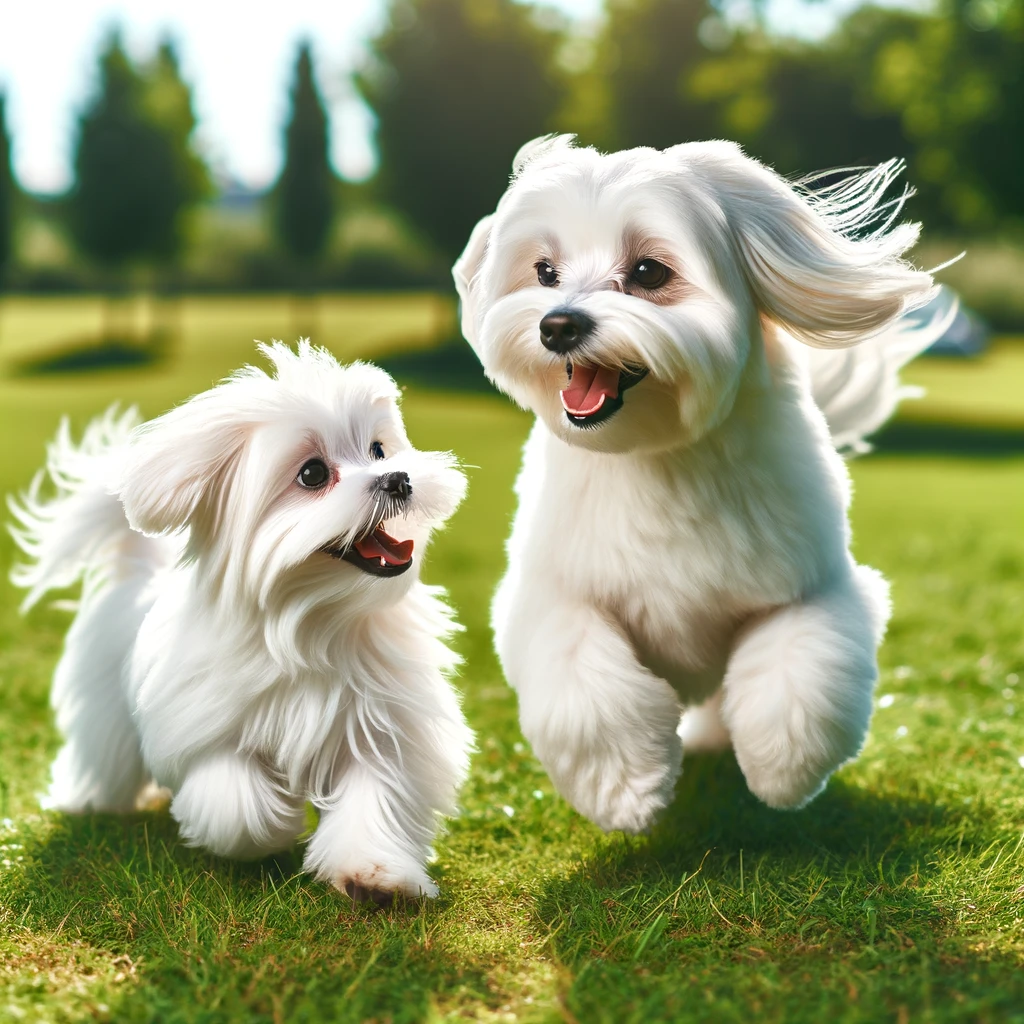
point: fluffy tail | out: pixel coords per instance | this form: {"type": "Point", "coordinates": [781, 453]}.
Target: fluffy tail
{"type": "Point", "coordinates": [79, 531]}
{"type": "Point", "coordinates": [859, 388]}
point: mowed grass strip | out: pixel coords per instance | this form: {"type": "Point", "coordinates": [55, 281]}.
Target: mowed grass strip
{"type": "Point", "coordinates": [985, 391]}
{"type": "Point", "coordinates": [897, 895]}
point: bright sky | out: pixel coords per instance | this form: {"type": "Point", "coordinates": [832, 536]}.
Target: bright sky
{"type": "Point", "coordinates": [238, 58]}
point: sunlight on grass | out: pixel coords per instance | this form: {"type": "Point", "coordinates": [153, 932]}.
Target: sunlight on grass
{"type": "Point", "coordinates": [986, 391]}
{"type": "Point", "coordinates": [898, 895]}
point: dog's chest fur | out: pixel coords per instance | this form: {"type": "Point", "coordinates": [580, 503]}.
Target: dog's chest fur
{"type": "Point", "coordinates": [199, 681]}
{"type": "Point", "coordinates": [682, 548]}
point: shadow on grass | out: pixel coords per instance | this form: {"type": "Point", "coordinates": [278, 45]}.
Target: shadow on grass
{"type": "Point", "coordinates": [715, 811]}
{"type": "Point", "coordinates": [715, 820]}
{"type": "Point", "coordinates": [452, 366]}
{"type": "Point", "coordinates": [217, 940]}
{"type": "Point", "coordinates": [904, 438]}
{"type": "Point", "coordinates": [728, 907]}
{"type": "Point", "coordinates": [89, 354]}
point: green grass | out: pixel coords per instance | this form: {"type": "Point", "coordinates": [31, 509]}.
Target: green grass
{"type": "Point", "coordinates": [985, 392]}
{"type": "Point", "coordinates": [898, 895]}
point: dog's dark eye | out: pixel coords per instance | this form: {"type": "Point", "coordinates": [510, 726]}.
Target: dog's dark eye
{"type": "Point", "coordinates": [546, 274]}
{"type": "Point", "coordinates": [314, 474]}
{"type": "Point", "coordinates": [650, 274]}
{"type": "Point", "coordinates": [377, 450]}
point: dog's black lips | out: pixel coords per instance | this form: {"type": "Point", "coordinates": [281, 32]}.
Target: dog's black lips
{"type": "Point", "coordinates": [371, 566]}
{"type": "Point", "coordinates": [627, 379]}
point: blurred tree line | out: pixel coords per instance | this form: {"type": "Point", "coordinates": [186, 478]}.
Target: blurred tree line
{"type": "Point", "coordinates": [456, 86]}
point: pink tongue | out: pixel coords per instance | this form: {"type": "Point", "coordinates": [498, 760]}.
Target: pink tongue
{"type": "Point", "coordinates": [589, 388]}
{"type": "Point", "coordinates": [380, 545]}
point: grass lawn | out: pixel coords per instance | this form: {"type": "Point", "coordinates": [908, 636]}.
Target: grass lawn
{"type": "Point", "coordinates": [897, 895]}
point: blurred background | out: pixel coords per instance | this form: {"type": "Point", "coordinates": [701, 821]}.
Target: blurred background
{"type": "Point", "coordinates": [149, 151]}
{"type": "Point", "coordinates": [177, 179]}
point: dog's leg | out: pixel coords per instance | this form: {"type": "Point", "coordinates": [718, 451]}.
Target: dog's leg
{"type": "Point", "coordinates": [99, 766]}
{"type": "Point", "coordinates": [230, 805]}
{"type": "Point", "coordinates": [378, 823]}
{"type": "Point", "coordinates": [373, 839]}
{"type": "Point", "coordinates": [798, 688]}
{"type": "Point", "coordinates": [603, 726]}
{"type": "Point", "coordinates": [702, 729]}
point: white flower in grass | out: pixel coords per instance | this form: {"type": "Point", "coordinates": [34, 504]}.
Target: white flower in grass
{"type": "Point", "coordinates": [901, 732]}
{"type": "Point", "coordinates": [886, 700]}
{"type": "Point", "coordinates": [509, 811]}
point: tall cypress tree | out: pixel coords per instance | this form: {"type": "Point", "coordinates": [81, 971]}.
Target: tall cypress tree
{"type": "Point", "coordinates": [304, 196]}
{"type": "Point", "coordinates": [6, 191]}
{"type": "Point", "coordinates": [168, 102]}
{"type": "Point", "coordinates": [129, 192]}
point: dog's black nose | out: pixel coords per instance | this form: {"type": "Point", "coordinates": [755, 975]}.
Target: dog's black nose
{"type": "Point", "coordinates": [397, 484]}
{"type": "Point", "coordinates": [562, 330]}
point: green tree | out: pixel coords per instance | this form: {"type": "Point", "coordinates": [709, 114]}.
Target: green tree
{"type": "Point", "coordinates": [799, 107]}
{"type": "Point", "coordinates": [167, 100]}
{"type": "Point", "coordinates": [6, 191]}
{"type": "Point", "coordinates": [648, 52]}
{"type": "Point", "coordinates": [457, 86]}
{"type": "Point", "coordinates": [130, 190]}
{"type": "Point", "coordinates": [304, 196]}
{"type": "Point", "coordinates": [956, 81]}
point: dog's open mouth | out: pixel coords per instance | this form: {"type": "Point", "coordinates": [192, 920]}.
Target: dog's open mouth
{"type": "Point", "coordinates": [378, 553]}
{"type": "Point", "coordinates": [594, 393]}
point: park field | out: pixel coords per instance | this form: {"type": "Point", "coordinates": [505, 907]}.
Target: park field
{"type": "Point", "coordinates": [898, 895]}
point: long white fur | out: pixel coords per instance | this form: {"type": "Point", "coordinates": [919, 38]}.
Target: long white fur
{"type": "Point", "coordinates": [692, 552]}
{"type": "Point", "coordinates": [220, 652]}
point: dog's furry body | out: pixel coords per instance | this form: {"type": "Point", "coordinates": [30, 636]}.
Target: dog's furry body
{"type": "Point", "coordinates": [220, 650]}
{"type": "Point", "coordinates": [691, 550]}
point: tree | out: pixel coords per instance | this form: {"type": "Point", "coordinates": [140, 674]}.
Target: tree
{"type": "Point", "coordinates": [457, 87]}
{"type": "Point", "coordinates": [799, 107]}
{"type": "Point", "coordinates": [651, 49]}
{"type": "Point", "coordinates": [167, 101]}
{"type": "Point", "coordinates": [130, 188]}
{"type": "Point", "coordinates": [955, 79]}
{"type": "Point", "coordinates": [6, 191]}
{"type": "Point", "coordinates": [304, 196]}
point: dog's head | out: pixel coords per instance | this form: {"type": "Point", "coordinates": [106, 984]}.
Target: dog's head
{"type": "Point", "coordinates": [619, 296]}
{"type": "Point", "coordinates": [296, 486]}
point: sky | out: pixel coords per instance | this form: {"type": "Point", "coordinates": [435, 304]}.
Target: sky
{"type": "Point", "coordinates": [238, 58]}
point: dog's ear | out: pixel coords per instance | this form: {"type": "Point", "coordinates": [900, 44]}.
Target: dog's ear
{"type": "Point", "coordinates": [465, 272]}
{"type": "Point", "coordinates": [827, 265]}
{"type": "Point", "coordinates": [178, 461]}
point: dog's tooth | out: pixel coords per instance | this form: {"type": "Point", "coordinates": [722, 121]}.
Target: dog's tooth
{"type": "Point", "coordinates": [383, 562]}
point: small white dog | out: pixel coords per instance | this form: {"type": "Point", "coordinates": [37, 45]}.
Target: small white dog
{"type": "Point", "coordinates": [251, 634]}
{"type": "Point", "coordinates": [682, 539]}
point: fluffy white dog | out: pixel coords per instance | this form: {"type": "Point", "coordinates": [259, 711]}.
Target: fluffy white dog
{"type": "Point", "coordinates": [682, 539]}
{"type": "Point", "coordinates": [250, 633]}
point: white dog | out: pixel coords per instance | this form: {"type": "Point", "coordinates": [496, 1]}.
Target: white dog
{"type": "Point", "coordinates": [250, 633]}
{"type": "Point", "coordinates": [681, 539]}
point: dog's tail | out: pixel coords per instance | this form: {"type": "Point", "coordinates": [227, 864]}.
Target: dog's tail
{"type": "Point", "coordinates": [70, 525]}
{"type": "Point", "coordinates": [859, 388]}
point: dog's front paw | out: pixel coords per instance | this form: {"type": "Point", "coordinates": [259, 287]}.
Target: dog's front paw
{"type": "Point", "coordinates": [784, 787]}
{"type": "Point", "coordinates": [619, 796]}
{"type": "Point", "coordinates": [377, 883]}
{"type": "Point", "coordinates": [632, 804]}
